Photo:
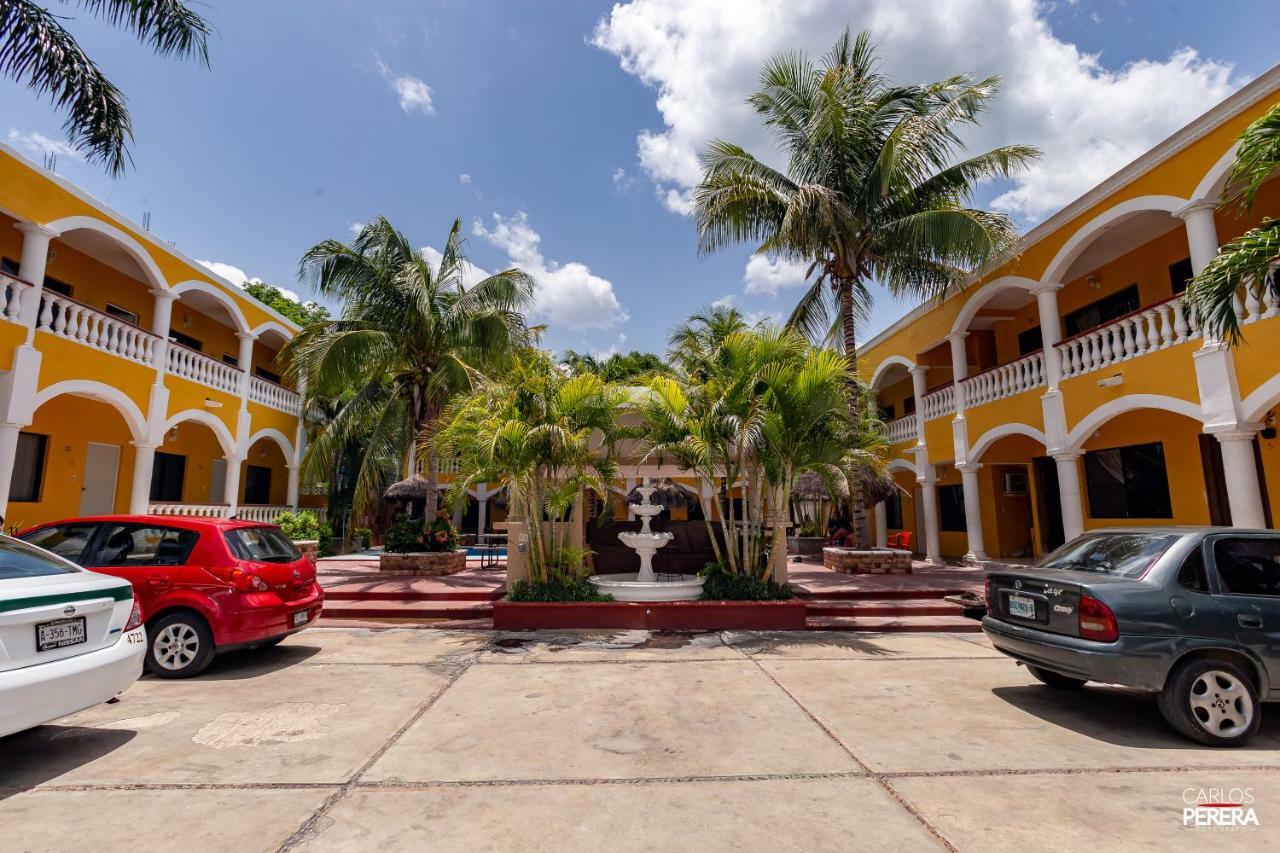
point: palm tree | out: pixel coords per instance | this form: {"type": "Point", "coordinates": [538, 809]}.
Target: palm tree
{"type": "Point", "coordinates": [872, 190]}
{"type": "Point", "coordinates": [37, 50]}
{"type": "Point", "coordinates": [544, 436]}
{"type": "Point", "coordinates": [1252, 256]}
{"type": "Point", "coordinates": [409, 338]}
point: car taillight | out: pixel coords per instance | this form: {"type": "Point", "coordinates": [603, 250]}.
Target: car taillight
{"type": "Point", "coordinates": [240, 579]}
{"type": "Point", "coordinates": [135, 617]}
{"type": "Point", "coordinates": [1097, 622]}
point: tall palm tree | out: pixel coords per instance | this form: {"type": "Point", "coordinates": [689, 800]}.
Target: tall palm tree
{"type": "Point", "coordinates": [872, 190]}
{"type": "Point", "coordinates": [408, 339]}
{"type": "Point", "coordinates": [1251, 257]}
{"type": "Point", "coordinates": [37, 50]}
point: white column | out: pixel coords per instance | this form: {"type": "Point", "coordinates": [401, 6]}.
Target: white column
{"type": "Point", "coordinates": [161, 320]}
{"type": "Point", "coordinates": [1069, 494]}
{"type": "Point", "coordinates": [1240, 471]}
{"type": "Point", "coordinates": [8, 455]}
{"type": "Point", "coordinates": [35, 256]}
{"type": "Point", "coordinates": [144, 458]}
{"type": "Point", "coordinates": [292, 496]}
{"type": "Point", "coordinates": [929, 499]}
{"type": "Point", "coordinates": [244, 360]}
{"type": "Point", "coordinates": [919, 388]}
{"type": "Point", "coordinates": [882, 525]}
{"type": "Point", "coordinates": [959, 368]}
{"type": "Point", "coordinates": [482, 511]}
{"type": "Point", "coordinates": [1202, 232]}
{"type": "Point", "coordinates": [1050, 330]}
{"type": "Point", "coordinates": [231, 484]}
{"type": "Point", "coordinates": [973, 510]}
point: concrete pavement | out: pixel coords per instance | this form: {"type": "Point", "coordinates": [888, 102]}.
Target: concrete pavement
{"type": "Point", "coordinates": [404, 739]}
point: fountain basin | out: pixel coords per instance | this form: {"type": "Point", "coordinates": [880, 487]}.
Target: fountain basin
{"type": "Point", "coordinates": [628, 587]}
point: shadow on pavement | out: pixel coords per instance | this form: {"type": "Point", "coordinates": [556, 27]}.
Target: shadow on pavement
{"type": "Point", "coordinates": [1119, 717]}
{"type": "Point", "coordinates": [42, 754]}
{"type": "Point", "coordinates": [253, 663]}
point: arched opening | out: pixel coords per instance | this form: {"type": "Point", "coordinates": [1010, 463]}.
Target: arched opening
{"type": "Point", "coordinates": [206, 319]}
{"type": "Point", "coordinates": [271, 338]}
{"type": "Point", "coordinates": [75, 458]}
{"type": "Point", "coordinates": [190, 464]}
{"type": "Point", "coordinates": [265, 474]}
{"type": "Point", "coordinates": [900, 508]}
{"type": "Point", "coordinates": [1018, 487]}
{"type": "Point", "coordinates": [895, 396]}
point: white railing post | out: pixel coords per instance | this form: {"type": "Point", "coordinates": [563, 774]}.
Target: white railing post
{"type": "Point", "coordinates": [34, 259]}
{"type": "Point", "coordinates": [1046, 294]}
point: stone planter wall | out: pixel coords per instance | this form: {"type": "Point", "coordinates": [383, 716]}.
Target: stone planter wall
{"type": "Point", "coordinates": [805, 546]}
{"type": "Point", "coordinates": [310, 548]}
{"type": "Point", "coordinates": [881, 561]}
{"type": "Point", "coordinates": [434, 563]}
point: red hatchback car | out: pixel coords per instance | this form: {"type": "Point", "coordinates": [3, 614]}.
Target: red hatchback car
{"type": "Point", "coordinates": [206, 585]}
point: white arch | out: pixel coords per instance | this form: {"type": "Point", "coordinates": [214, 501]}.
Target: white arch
{"type": "Point", "coordinates": [113, 397]}
{"type": "Point", "coordinates": [227, 301]}
{"type": "Point", "coordinates": [1128, 403]}
{"type": "Point", "coordinates": [1211, 185]}
{"type": "Point", "coordinates": [886, 364]}
{"type": "Point", "coordinates": [285, 445]}
{"type": "Point", "coordinates": [1262, 399]}
{"type": "Point", "coordinates": [902, 465]}
{"type": "Point", "coordinates": [89, 223]}
{"type": "Point", "coordinates": [996, 433]}
{"type": "Point", "coordinates": [1086, 233]}
{"type": "Point", "coordinates": [983, 295]}
{"type": "Point", "coordinates": [225, 439]}
{"type": "Point", "coordinates": [273, 326]}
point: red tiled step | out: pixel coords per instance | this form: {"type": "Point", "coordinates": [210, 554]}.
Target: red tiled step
{"type": "Point", "coordinates": [407, 609]}
{"type": "Point", "coordinates": [883, 607]}
{"type": "Point", "coordinates": [894, 624]}
{"type": "Point", "coordinates": [878, 594]}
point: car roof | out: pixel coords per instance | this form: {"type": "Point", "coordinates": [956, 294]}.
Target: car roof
{"type": "Point", "coordinates": [1179, 529]}
{"type": "Point", "coordinates": [189, 522]}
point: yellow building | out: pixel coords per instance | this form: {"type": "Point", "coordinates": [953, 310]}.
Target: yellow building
{"type": "Point", "coordinates": [132, 379]}
{"type": "Point", "coordinates": [1068, 389]}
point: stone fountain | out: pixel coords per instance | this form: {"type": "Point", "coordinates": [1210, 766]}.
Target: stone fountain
{"type": "Point", "coordinates": [645, 585]}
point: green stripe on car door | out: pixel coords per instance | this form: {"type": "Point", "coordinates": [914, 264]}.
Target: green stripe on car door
{"type": "Point", "coordinates": [119, 593]}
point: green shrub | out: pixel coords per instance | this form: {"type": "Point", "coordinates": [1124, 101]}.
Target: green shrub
{"type": "Point", "coordinates": [724, 585]}
{"type": "Point", "coordinates": [409, 535]}
{"type": "Point", "coordinates": [299, 525]}
{"type": "Point", "coordinates": [361, 537]}
{"type": "Point", "coordinates": [556, 588]}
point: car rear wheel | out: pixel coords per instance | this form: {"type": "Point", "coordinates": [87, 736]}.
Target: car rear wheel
{"type": "Point", "coordinates": [181, 646]}
{"type": "Point", "coordinates": [1211, 701]}
{"type": "Point", "coordinates": [1049, 678]}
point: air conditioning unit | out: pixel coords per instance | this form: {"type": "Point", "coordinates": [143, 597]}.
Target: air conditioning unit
{"type": "Point", "coordinates": [1015, 482]}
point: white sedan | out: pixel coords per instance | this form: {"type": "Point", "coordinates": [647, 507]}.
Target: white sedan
{"type": "Point", "coordinates": [69, 638]}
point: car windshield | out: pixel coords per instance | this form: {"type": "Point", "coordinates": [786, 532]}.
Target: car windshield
{"type": "Point", "coordinates": [1125, 554]}
{"type": "Point", "coordinates": [20, 560]}
{"type": "Point", "coordinates": [262, 545]}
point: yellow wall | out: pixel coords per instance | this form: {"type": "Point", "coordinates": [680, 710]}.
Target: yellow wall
{"type": "Point", "coordinates": [265, 453]}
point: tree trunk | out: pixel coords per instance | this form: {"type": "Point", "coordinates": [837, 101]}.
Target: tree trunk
{"type": "Point", "coordinates": [857, 493]}
{"type": "Point", "coordinates": [433, 462]}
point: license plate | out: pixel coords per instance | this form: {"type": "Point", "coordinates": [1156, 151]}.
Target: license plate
{"type": "Point", "coordinates": [60, 634]}
{"type": "Point", "coordinates": [299, 618]}
{"type": "Point", "coordinates": [1022, 607]}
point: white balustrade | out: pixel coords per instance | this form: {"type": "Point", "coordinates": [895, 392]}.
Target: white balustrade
{"type": "Point", "coordinates": [274, 396]}
{"type": "Point", "coordinates": [190, 510]}
{"type": "Point", "coordinates": [1260, 302]}
{"type": "Point", "coordinates": [12, 292]}
{"type": "Point", "coordinates": [68, 319]}
{"type": "Point", "coordinates": [901, 429]}
{"type": "Point", "coordinates": [198, 367]}
{"type": "Point", "coordinates": [939, 403]}
{"type": "Point", "coordinates": [260, 512]}
{"type": "Point", "coordinates": [1005, 380]}
{"type": "Point", "coordinates": [1155, 328]}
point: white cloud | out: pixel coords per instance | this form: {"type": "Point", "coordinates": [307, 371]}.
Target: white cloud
{"type": "Point", "coordinates": [464, 178]}
{"type": "Point", "coordinates": [355, 228]}
{"type": "Point", "coordinates": [37, 143]}
{"type": "Point", "coordinates": [703, 59]}
{"type": "Point", "coordinates": [414, 95]}
{"type": "Point", "coordinates": [240, 278]}
{"type": "Point", "coordinates": [763, 275]}
{"type": "Point", "coordinates": [567, 294]}
{"type": "Point", "coordinates": [623, 180]}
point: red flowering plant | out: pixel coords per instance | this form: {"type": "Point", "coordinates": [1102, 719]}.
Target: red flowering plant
{"type": "Point", "coordinates": [410, 535]}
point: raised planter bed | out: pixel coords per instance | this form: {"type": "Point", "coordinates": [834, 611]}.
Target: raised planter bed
{"type": "Point", "coordinates": [651, 615]}
{"type": "Point", "coordinates": [878, 561]}
{"type": "Point", "coordinates": [432, 563]}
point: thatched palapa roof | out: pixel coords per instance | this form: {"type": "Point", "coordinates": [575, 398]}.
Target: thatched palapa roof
{"type": "Point", "coordinates": [412, 488]}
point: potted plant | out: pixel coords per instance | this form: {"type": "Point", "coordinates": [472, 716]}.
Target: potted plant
{"type": "Point", "coordinates": [361, 538]}
{"type": "Point", "coordinates": [412, 546]}
{"type": "Point", "coordinates": [306, 532]}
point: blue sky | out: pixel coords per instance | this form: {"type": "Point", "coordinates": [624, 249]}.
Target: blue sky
{"type": "Point", "coordinates": [575, 124]}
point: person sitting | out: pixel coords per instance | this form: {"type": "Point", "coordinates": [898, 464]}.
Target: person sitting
{"type": "Point", "coordinates": [838, 532]}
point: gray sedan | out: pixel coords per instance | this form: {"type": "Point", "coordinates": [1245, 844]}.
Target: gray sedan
{"type": "Point", "coordinates": [1192, 614]}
